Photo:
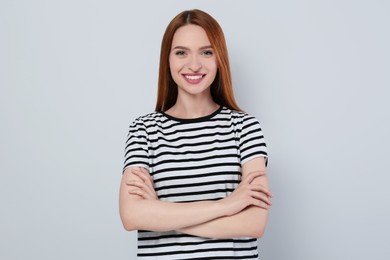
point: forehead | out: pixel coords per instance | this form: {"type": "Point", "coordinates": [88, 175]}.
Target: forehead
{"type": "Point", "coordinates": [191, 36]}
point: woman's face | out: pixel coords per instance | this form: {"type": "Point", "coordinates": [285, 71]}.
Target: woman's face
{"type": "Point", "coordinates": [192, 61]}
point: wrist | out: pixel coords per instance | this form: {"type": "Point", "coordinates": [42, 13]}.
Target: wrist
{"type": "Point", "coordinates": [222, 207]}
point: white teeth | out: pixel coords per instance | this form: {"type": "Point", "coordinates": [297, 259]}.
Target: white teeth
{"type": "Point", "coordinates": [193, 77]}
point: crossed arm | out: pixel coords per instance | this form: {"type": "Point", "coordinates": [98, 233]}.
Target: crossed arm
{"type": "Point", "coordinates": [242, 214]}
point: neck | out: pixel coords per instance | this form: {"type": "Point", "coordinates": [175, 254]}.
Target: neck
{"type": "Point", "coordinates": [192, 107]}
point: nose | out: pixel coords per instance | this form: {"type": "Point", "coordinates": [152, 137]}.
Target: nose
{"type": "Point", "coordinates": [194, 64]}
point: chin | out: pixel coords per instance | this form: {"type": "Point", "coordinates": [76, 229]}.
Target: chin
{"type": "Point", "coordinates": [195, 90]}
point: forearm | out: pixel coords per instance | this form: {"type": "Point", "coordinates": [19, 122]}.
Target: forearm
{"type": "Point", "coordinates": [250, 222]}
{"type": "Point", "coordinates": [141, 210]}
{"type": "Point", "coordinates": [158, 215]}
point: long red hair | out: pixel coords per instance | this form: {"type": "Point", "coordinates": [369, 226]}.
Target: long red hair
{"type": "Point", "coordinates": [221, 89]}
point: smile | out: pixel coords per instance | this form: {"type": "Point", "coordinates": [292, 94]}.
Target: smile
{"type": "Point", "coordinates": [193, 77]}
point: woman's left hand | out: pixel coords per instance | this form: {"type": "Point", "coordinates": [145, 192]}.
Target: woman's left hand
{"type": "Point", "coordinates": [144, 188]}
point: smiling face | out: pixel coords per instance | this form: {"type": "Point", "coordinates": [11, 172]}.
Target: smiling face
{"type": "Point", "coordinates": [192, 61]}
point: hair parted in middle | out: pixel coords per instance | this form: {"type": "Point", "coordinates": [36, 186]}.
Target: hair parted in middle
{"type": "Point", "coordinates": [221, 89]}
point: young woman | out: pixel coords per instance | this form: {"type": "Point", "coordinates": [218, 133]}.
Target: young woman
{"type": "Point", "coordinates": [194, 183]}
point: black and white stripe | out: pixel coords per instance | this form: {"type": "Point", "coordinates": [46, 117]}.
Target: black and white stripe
{"type": "Point", "coordinates": [193, 160]}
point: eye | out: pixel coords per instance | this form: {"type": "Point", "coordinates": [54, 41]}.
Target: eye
{"type": "Point", "coordinates": [207, 53]}
{"type": "Point", "coordinates": [180, 53]}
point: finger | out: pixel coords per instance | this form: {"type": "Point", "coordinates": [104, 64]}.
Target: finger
{"type": "Point", "coordinates": [259, 187]}
{"type": "Point", "coordinates": [145, 178]}
{"type": "Point", "coordinates": [260, 204]}
{"type": "Point", "coordinates": [252, 175]}
{"type": "Point", "coordinates": [138, 184]}
{"type": "Point", "coordinates": [134, 183]}
{"type": "Point", "coordinates": [137, 169]}
{"type": "Point", "coordinates": [256, 174]}
{"type": "Point", "coordinates": [146, 175]}
{"type": "Point", "coordinates": [262, 172]}
{"type": "Point", "coordinates": [261, 197]}
{"type": "Point", "coordinates": [141, 170]}
{"type": "Point", "coordinates": [141, 193]}
{"type": "Point", "coordinates": [140, 174]}
{"type": "Point", "coordinates": [138, 192]}
{"type": "Point", "coordinates": [136, 172]}
{"type": "Point", "coordinates": [146, 171]}
{"type": "Point", "coordinates": [150, 192]}
{"type": "Point", "coordinates": [132, 175]}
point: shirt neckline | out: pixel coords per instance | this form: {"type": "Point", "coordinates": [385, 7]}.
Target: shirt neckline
{"type": "Point", "coordinates": [193, 120]}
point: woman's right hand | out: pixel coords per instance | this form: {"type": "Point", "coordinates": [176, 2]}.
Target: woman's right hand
{"type": "Point", "coordinates": [143, 187]}
{"type": "Point", "coordinates": [247, 194]}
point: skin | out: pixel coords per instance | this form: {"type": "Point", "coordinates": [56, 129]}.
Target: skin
{"type": "Point", "coordinates": [191, 54]}
{"type": "Point", "coordinates": [244, 212]}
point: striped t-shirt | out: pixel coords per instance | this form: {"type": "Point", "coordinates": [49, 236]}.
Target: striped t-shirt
{"type": "Point", "coordinates": [193, 160]}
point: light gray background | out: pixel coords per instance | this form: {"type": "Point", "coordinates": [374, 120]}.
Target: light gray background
{"type": "Point", "coordinates": [74, 74]}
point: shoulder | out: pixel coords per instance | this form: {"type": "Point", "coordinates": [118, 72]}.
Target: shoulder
{"type": "Point", "coordinates": [240, 117]}
{"type": "Point", "coordinates": [143, 124]}
{"type": "Point", "coordinates": [147, 119]}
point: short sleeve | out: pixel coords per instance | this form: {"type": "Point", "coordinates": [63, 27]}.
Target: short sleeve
{"type": "Point", "coordinates": [252, 143]}
{"type": "Point", "coordinates": [136, 150]}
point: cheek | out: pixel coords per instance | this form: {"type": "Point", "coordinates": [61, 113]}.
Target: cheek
{"type": "Point", "coordinates": [213, 66]}
{"type": "Point", "coordinates": [170, 63]}
{"type": "Point", "coordinates": [174, 68]}
{"type": "Point", "coordinates": [213, 69]}
{"type": "Point", "coordinates": [175, 64]}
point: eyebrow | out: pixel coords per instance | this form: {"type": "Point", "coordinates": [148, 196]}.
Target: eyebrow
{"type": "Point", "coordinates": [186, 48]}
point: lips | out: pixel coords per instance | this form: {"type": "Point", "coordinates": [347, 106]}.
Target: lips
{"type": "Point", "coordinates": [193, 78]}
